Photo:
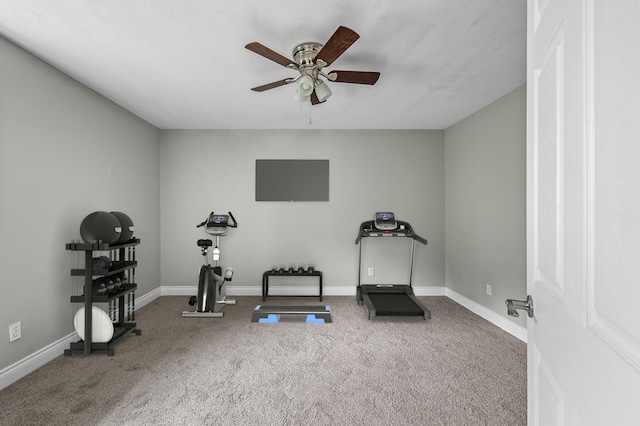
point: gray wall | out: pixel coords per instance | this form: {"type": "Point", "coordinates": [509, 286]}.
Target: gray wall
{"type": "Point", "coordinates": [485, 207]}
{"type": "Point", "coordinates": [400, 171]}
{"type": "Point", "coordinates": [65, 151]}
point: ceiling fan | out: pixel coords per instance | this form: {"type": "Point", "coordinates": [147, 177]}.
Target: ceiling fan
{"type": "Point", "coordinates": [309, 59]}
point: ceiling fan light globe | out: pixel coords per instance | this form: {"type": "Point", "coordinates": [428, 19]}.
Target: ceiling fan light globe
{"type": "Point", "coordinates": [299, 97]}
{"type": "Point", "coordinates": [305, 85]}
{"type": "Point", "coordinates": [323, 92]}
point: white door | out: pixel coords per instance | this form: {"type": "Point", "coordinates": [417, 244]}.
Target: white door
{"type": "Point", "coordinates": [583, 225]}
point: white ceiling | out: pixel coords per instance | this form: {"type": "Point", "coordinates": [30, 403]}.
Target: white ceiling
{"type": "Point", "coordinates": [183, 65]}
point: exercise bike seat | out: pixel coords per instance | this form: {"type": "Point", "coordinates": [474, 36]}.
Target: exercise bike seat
{"type": "Point", "coordinates": [205, 243]}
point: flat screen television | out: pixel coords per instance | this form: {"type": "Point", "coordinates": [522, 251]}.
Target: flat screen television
{"type": "Point", "coordinates": [292, 180]}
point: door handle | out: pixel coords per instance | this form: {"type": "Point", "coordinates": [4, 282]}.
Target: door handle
{"type": "Point", "coordinates": [525, 305]}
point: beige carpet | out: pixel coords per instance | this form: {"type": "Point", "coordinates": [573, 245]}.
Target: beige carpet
{"type": "Point", "coordinates": [454, 369]}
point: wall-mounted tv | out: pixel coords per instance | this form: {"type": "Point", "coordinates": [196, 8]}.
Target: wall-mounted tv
{"type": "Point", "coordinates": [292, 180]}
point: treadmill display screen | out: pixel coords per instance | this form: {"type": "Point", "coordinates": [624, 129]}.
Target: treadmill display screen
{"type": "Point", "coordinates": [385, 221]}
{"type": "Point", "coordinates": [385, 216]}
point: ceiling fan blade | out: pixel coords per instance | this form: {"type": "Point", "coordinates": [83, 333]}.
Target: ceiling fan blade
{"type": "Point", "coordinates": [264, 51]}
{"type": "Point", "coordinates": [357, 77]}
{"type": "Point", "coordinates": [314, 99]}
{"type": "Point", "coordinates": [336, 45]}
{"type": "Point", "coordinates": [272, 85]}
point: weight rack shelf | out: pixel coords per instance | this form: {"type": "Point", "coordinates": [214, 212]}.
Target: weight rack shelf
{"type": "Point", "coordinates": [106, 297]}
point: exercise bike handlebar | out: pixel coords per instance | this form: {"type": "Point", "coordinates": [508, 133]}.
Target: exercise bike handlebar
{"type": "Point", "coordinates": [235, 223]}
{"type": "Point", "coordinates": [230, 225]}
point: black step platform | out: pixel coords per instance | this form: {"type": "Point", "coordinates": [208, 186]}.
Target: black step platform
{"type": "Point", "coordinates": [271, 314]}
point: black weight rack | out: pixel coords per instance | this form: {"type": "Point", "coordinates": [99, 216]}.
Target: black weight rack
{"type": "Point", "coordinates": [125, 262]}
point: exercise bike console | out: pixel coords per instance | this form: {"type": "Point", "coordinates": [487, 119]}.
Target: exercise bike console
{"type": "Point", "coordinates": [218, 224]}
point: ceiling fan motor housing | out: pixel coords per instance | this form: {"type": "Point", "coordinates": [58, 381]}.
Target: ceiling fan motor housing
{"type": "Point", "coordinates": [305, 53]}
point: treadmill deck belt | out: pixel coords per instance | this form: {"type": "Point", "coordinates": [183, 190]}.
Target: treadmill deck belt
{"type": "Point", "coordinates": [394, 304]}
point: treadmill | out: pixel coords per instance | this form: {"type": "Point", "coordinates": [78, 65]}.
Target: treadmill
{"type": "Point", "coordinates": [389, 299]}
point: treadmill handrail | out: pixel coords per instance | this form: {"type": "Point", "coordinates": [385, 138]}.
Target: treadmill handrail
{"type": "Point", "coordinates": [368, 229]}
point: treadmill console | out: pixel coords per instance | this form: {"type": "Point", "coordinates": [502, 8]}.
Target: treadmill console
{"type": "Point", "coordinates": [217, 224]}
{"type": "Point", "coordinates": [386, 225]}
{"type": "Point", "coordinates": [385, 221]}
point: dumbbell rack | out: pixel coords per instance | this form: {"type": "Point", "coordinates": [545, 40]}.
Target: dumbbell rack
{"type": "Point", "coordinates": [125, 253]}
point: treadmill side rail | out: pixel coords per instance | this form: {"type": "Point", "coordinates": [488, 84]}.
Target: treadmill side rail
{"type": "Point", "coordinates": [368, 304]}
{"type": "Point", "coordinates": [427, 312]}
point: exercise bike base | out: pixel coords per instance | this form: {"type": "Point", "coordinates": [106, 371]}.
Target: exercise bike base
{"type": "Point", "coordinates": [195, 314]}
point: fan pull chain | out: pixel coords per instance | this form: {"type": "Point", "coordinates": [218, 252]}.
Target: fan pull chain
{"type": "Point", "coordinates": [310, 122]}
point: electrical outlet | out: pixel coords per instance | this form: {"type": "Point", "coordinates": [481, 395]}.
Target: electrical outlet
{"type": "Point", "coordinates": [15, 332]}
{"type": "Point", "coordinates": [488, 289]}
{"type": "Point", "coordinates": [371, 271]}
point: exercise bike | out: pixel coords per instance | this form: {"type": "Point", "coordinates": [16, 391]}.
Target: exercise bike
{"type": "Point", "coordinates": [211, 285]}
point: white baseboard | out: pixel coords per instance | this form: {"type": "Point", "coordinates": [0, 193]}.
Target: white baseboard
{"type": "Point", "coordinates": [37, 359]}
{"type": "Point", "coordinates": [254, 290]}
{"type": "Point", "coordinates": [429, 291]}
{"type": "Point", "coordinates": [32, 362]}
{"type": "Point", "coordinates": [179, 290]}
{"type": "Point", "coordinates": [148, 298]}
{"type": "Point", "coordinates": [494, 318]}
{"type": "Point", "coordinates": [285, 290]}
